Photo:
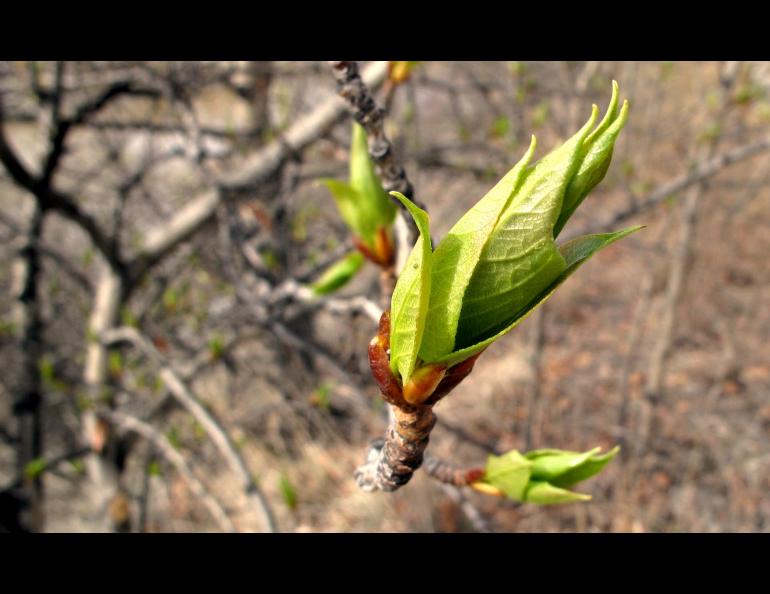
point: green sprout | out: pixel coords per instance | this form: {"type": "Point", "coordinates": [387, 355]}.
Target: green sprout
{"type": "Point", "coordinates": [500, 260]}
{"type": "Point", "coordinates": [364, 205]}
{"type": "Point", "coordinates": [542, 476]}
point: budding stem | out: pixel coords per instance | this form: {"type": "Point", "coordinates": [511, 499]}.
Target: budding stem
{"type": "Point", "coordinates": [392, 462]}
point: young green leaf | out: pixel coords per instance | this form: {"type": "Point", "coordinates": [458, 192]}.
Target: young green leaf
{"type": "Point", "coordinates": [550, 464]}
{"type": "Point", "coordinates": [543, 476]}
{"type": "Point", "coordinates": [520, 258]}
{"type": "Point", "coordinates": [575, 253]}
{"type": "Point", "coordinates": [364, 180]}
{"type": "Point", "coordinates": [591, 467]}
{"type": "Point", "coordinates": [346, 198]}
{"type": "Point", "coordinates": [338, 274]}
{"type": "Point", "coordinates": [598, 154]}
{"type": "Point", "coordinates": [35, 468]}
{"type": "Point", "coordinates": [288, 492]}
{"type": "Point", "coordinates": [510, 473]}
{"type": "Point", "coordinates": [544, 493]}
{"type": "Point", "coordinates": [500, 260]}
{"type": "Point", "coordinates": [409, 304]}
{"type": "Point", "coordinates": [456, 258]}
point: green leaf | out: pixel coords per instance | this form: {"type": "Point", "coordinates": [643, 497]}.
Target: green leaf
{"type": "Point", "coordinates": [153, 468]}
{"type": "Point", "coordinates": [409, 304]}
{"type": "Point", "coordinates": [34, 468]}
{"type": "Point", "coordinates": [589, 468]}
{"type": "Point", "coordinates": [540, 114]}
{"type": "Point", "coordinates": [170, 299]}
{"type": "Point", "coordinates": [321, 397]}
{"type": "Point", "coordinates": [46, 368]}
{"type": "Point", "coordinates": [128, 318]}
{"type": "Point", "coordinates": [598, 149]}
{"type": "Point", "coordinates": [115, 363]}
{"type": "Point", "coordinates": [288, 492]}
{"type": "Point", "coordinates": [173, 437]}
{"type": "Point", "coordinates": [544, 493]}
{"type": "Point", "coordinates": [346, 198]}
{"type": "Point", "coordinates": [575, 253]}
{"type": "Point", "coordinates": [338, 274]}
{"type": "Point", "coordinates": [456, 257]}
{"type": "Point", "coordinates": [510, 473]}
{"type": "Point", "coordinates": [520, 258]}
{"type": "Point", "coordinates": [551, 464]}
{"type": "Point", "coordinates": [216, 346]}
{"type": "Point", "coordinates": [364, 179]}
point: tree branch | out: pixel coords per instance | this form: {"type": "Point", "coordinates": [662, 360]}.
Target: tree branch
{"type": "Point", "coordinates": [702, 171]}
{"type": "Point", "coordinates": [352, 88]}
{"type": "Point", "coordinates": [258, 167]}
{"type": "Point", "coordinates": [207, 420]}
{"type": "Point", "coordinates": [129, 423]}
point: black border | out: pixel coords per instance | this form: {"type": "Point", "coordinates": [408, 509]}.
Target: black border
{"type": "Point", "coordinates": [374, 31]}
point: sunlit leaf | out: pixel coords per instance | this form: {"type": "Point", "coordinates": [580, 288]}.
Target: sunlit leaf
{"type": "Point", "coordinates": [510, 473]}
{"type": "Point", "coordinates": [597, 154]}
{"type": "Point", "coordinates": [338, 274]}
{"type": "Point", "coordinates": [575, 254]}
{"type": "Point", "coordinates": [457, 256]}
{"type": "Point", "coordinates": [363, 203]}
{"type": "Point", "coordinates": [544, 493]}
{"type": "Point", "coordinates": [550, 464]}
{"type": "Point", "coordinates": [34, 468]}
{"type": "Point", "coordinates": [520, 259]}
{"type": "Point", "coordinates": [409, 304]}
{"type": "Point", "coordinates": [591, 467]}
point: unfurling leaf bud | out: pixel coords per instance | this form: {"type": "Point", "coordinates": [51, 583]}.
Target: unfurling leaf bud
{"type": "Point", "coordinates": [363, 204]}
{"type": "Point", "coordinates": [542, 476]}
{"type": "Point", "coordinates": [500, 260]}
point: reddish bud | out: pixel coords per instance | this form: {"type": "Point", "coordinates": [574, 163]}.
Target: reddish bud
{"type": "Point", "coordinates": [379, 361]}
{"type": "Point", "coordinates": [382, 251]}
{"type": "Point", "coordinates": [474, 475]}
{"type": "Point", "coordinates": [383, 328]}
{"type": "Point", "coordinates": [364, 249]}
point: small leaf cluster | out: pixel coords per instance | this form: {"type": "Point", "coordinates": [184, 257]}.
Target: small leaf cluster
{"type": "Point", "coordinates": [542, 476]}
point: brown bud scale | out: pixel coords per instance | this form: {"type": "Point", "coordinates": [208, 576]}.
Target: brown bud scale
{"type": "Point", "coordinates": [413, 418]}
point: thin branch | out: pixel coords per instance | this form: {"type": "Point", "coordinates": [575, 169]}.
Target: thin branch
{"type": "Point", "coordinates": [682, 255]}
{"type": "Point", "coordinates": [51, 199]}
{"type": "Point", "coordinates": [477, 520]}
{"type": "Point", "coordinates": [257, 168]}
{"type": "Point", "coordinates": [49, 464]}
{"type": "Point", "coordinates": [366, 112]}
{"type": "Point", "coordinates": [701, 172]}
{"type": "Point", "coordinates": [209, 423]}
{"type": "Point", "coordinates": [162, 445]}
{"type": "Point", "coordinates": [28, 393]}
